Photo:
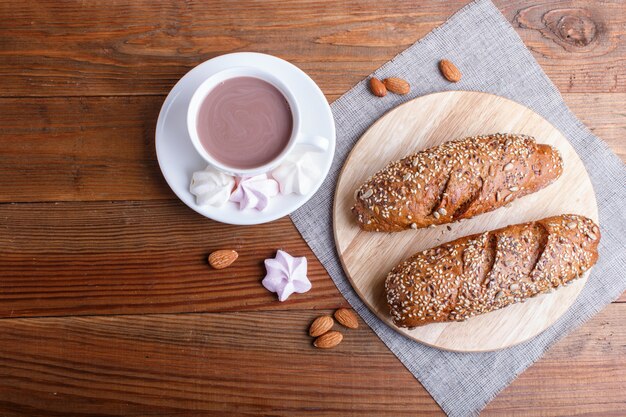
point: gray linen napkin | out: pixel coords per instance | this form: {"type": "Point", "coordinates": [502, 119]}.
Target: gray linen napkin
{"type": "Point", "coordinates": [493, 59]}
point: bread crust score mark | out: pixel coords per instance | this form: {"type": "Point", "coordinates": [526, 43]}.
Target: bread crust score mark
{"type": "Point", "coordinates": [455, 180]}
{"type": "Point", "coordinates": [484, 272]}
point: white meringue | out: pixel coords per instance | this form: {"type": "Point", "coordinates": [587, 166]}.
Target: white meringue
{"type": "Point", "coordinates": [211, 187]}
{"type": "Point", "coordinates": [254, 192]}
{"type": "Point", "coordinates": [286, 275]}
{"type": "Point", "coordinates": [297, 174]}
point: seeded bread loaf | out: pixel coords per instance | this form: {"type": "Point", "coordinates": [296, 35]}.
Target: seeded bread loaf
{"type": "Point", "coordinates": [455, 180]}
{"type": "Point", "coordinates": [488, 271]}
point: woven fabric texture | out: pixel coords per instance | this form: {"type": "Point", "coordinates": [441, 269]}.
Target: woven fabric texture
{"type": "Point", "coordinates": [493, 59]}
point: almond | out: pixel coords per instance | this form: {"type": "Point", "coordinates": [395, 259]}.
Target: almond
{"type": "Point", "coordinates": [328, 340]}
{"type": "Point", "coordinates": [220, 259]}
{"type": "Point", "coordinates": [377, 87]}
{"type": "Point", "coordinates": [397, 85]}
{"type": "Point", "coordinates": [347, 318]}
{"type": "Point", "coordinates": [321, 325]}
{"type": "Point", "coordinates": [449, 71]}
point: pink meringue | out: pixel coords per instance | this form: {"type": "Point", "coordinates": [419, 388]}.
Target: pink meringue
{"type": "Point", "coordinates": [286, 275]}
{"type": "Point", "coordinates": [254, 192]}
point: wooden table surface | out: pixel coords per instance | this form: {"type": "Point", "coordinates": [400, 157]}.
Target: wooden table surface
{"type": "Point", "coordinates": [108, 305]}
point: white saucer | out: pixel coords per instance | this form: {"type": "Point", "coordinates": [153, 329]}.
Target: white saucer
{"type": "Point", "coordinates": [179, 160]}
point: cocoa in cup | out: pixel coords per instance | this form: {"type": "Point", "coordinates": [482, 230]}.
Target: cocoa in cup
{"type": "Point", "coordinates": [244, 121]}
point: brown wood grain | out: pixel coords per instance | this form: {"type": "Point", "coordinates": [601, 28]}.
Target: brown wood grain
{"type": "Point", "coordinates": [143, 47]}
{"type": "Point", "coordinates": [605, 115]}
{"type": "Point", "coordinates": [140, 257]}
{"type": "Point", "coordinates": [88, 225]}
{"type": "Point", "coordinates": [580, 375]}
{"type": "Point", "coordinates": [264, 363]}
{"type": "Point", "coordinates": [74, 258]}
{"type": "Point", "coordinates": [102, 148]}
{"type": "Point", "coordinates": [80, 148]}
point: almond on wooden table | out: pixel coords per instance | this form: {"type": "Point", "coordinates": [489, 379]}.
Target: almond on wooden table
{"type": "Point", "coordinates": [347, 318]}
{"type": "Point", "coordinates": [377, 87]}
{"type": "Point", "coordinates": [321, 325]}
{"type": "Point", "coordinates": [220, 259]}
{"type": "Point", "coordinates": [449, 71]}
{"type": "Point", "coordinates": [397, 85]}
{"type": "Point", "coordinates": [328, 340]}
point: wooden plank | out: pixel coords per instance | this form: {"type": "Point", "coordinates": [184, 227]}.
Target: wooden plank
{"type": "Point", "coordinates": [110, 258]}
{"type": "Point", "coordinates": [605, 115]}
{"type": "Point", "coordinates": [238, 363]}
{"type": "Point", "coordinates": [573, 39]}
{"type": "Point", "coordinates": [102, 148]}
{"type": "Point", "coordinates": [200, 363]}
{"type": "Point", "coordinates": [140, 257]}
{"type": "Point", "coordinates": [581, 375]}
{"type": "Point", "coordinates": [144, 47]}
{"type": "Point", "coordinates": [75, 148]}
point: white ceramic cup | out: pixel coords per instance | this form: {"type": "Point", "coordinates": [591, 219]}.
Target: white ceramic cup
{"type": "Point", "coordinates": [297, 139]}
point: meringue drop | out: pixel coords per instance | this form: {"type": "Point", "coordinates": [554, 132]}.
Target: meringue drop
{"type": "Point", "coordinates": [254, 192]}
{"type": "Point", "coordinates": [211, 187]}
{"type": "Point", "coordinates": [297, 174]}
{"type": "Point", "coordinates": [286, 275]}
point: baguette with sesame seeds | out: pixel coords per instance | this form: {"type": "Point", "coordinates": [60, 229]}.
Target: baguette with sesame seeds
{"type": "Point", "coordinates": [455, 180]}
{"type": "Point", "coordinates": [488, 271]}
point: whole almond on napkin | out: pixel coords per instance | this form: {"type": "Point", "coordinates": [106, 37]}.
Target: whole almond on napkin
{"type": "Point", "coordinates": [377, 87]}
{"type": "Point", "coordinates": [449, 71]}
{"type": "Point", "coordinates": [397, 85]}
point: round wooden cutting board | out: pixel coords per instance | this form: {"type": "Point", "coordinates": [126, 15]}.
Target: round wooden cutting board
{"type": "Point", "coordinates": [427, 121]}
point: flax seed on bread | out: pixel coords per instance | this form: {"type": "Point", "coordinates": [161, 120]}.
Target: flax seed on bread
{"type": "Point", "coordinates": [488, 271]}
{"type": "Point", "coordinates": [455, 180]}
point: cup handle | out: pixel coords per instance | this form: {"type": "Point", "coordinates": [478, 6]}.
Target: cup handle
{"type": "Point", "coordinates": [317, 143]}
